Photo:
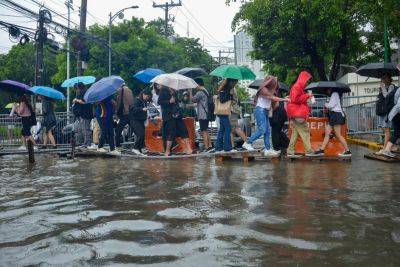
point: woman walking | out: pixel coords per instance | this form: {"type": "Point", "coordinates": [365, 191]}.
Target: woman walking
{"type": "Point", "coordinates": [104, 114]}
{"type": "Point", "coordinates": [223, 108]}
{"type": "Point", "coordinates": [394, 118]}
{"type": "Point", "coordinates": [298, 112]}
{"type": "Point", "coordinates": [263, 100]}
{"type": "Point", "coordinates": [385, 91]}
{"type": "Point", "coordinates": [49, 121]}
{"type": "Point", "coordinates": [336, 119]}
{"type": "Point", "coordinates": [138, 116]}
{"type": "Point", "coordinates": [25, 110]}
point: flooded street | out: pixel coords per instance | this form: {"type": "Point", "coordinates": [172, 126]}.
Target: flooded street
{"type": "Point", "coordinates": [196, 213]}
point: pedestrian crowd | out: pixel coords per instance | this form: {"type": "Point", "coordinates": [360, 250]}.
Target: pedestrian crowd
{"type": "Point", "coordinates": [104, 122]}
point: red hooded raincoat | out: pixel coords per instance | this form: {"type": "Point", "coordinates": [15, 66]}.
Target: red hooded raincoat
{"type": "Point", "coordinates": [298, 107]}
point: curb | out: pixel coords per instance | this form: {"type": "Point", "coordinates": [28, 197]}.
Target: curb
{"type": "Point", "coordinates": [369, 144]}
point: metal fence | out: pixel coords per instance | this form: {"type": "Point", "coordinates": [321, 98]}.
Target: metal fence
{"type": "Point", "coordinates": [360, 112]}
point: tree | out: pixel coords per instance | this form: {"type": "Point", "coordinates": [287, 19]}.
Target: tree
{"type": "Point", "coordinates": [317, 35]}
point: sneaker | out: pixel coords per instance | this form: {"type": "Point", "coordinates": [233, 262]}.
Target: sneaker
{"type": "Point", "coordinates": [388, 154]}
{"type": "Point", "coordinates": [22, 148]}
{"type": "Point", "coordinates": [102, 150]}
{"type": "Point", "coordinates": [248, 146]}
{"type": "Point", "coordinates": [93, 147]}
{"type": "Point", "coordinates": [211, 150]}
{"type": "Point", "coordinates": [292, 155]}
{"type": "Point", "coordinates": [312, 154]}
{"type": "Point", "coordinates": [115, 152]}
{"type": "Point", "coordinates": [380, 152]}
{"type": "Point", "coordinates": [270, 153]}
{"type": "Point", "coordinates": [136, 152]}
{"type": "Point", "coordinates": [346, 154]}
{"type": "Point", "coordinates": [319, 152]}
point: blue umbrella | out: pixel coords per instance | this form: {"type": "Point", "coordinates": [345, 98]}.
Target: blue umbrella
{"type": "Point", "coordinates": [80, 79]}
{"type": "Point", "coordinates": [145, 76]}
{"type": "Point", "coordinates": [47, 92]}
{"type": "Point", "coordinates": [102, 89]}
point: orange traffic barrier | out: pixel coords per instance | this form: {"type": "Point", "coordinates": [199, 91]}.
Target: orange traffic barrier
{"type": "Point", "coordinates": [317, 132]}
{"type": "Point", "coordinates": [154, 141]}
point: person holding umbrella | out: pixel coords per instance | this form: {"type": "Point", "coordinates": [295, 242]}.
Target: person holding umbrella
{"type": "Point", "coordinates": [173, 125]}
{"type": "Point", "coordinates": [386, 91]}
{"type": "Point", "coordinates": [105, 111]}
{"type": "Point", "coordinates": [124, 103]}
{"type": "Point", "coordinates": [25, 110]}
{"type": "Point", "coordinates": [49, 121]}
{"type": "Point", "coordinates": [84, 114]}
{"type": "Point", "coordinates": [336, 119]}
{"type": "Point", "coordinates": [394, 118]}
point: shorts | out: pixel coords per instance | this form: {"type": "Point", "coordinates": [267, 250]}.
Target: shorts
{"type": "Point", "coordinates": [336, 118]}
{"type": "Point", "coordinates": [383, 122]}
{"type": "Point", "coordinates": [49, 127]}
{"type": "Point", "coordinates": [234, 121]}
{"type": "Point", "coordinates": [26, 126]}
{"type": "Point", "coordinates": [203, 125]}
{"type": "Point", "coordinates": [175, 128]}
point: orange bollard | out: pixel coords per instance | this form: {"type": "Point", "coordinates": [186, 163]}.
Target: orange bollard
{"type": "Point", "coordinates": [154, 141]}
{"type": "Point", "coordinates": [317, 132]}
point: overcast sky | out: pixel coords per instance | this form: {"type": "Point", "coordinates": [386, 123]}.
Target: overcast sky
{"type": "Point", "coordinates": [209, 20]}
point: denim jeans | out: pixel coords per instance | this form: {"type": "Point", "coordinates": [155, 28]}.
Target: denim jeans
{"type": "Point", "coordinates": [224, 134]}
{"type": "Point", "coordinates": [263, 128]}
{"type": "Point", "coordinates": [107, 132]}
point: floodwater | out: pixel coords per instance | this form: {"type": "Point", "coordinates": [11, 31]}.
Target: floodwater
{"type": "Point", "coordinates": [194, 213]}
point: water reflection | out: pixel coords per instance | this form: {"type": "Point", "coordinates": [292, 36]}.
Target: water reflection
{"type": "Point", "coordinates": [196, 213]}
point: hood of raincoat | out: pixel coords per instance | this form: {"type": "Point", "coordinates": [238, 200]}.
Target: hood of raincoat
{"type": "Point", "coordinates": [298, 106]}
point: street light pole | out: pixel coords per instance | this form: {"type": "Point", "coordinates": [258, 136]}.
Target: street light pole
{"type": "Point", "coordinates": [119, 14]}
{"type": "Point", "coordinates": [68, 3]}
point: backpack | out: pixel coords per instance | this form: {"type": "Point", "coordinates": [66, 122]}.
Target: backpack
{"type": "Point", "coordinates": [385, 104]}
{"type": "Point", "coordinates": [210, 107]}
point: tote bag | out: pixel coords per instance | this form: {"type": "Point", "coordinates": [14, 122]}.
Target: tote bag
{"type": "Point", "coordinates": [222, 108]}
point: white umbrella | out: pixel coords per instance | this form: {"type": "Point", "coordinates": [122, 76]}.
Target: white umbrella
{"type": "Point", "coordinates": [175, 81]}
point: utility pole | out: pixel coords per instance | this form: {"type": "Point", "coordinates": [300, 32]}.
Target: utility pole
{"type": "Point", "coordinates": [82, 29]}
{"type": "Point", "coordinates": [220, 58]}
{"type": "Point", "coordinates": [68, 3]}
{"type": "Point", "coordinates": [41, 36]}
{"type": "Point", "coordinates": [167, 6]}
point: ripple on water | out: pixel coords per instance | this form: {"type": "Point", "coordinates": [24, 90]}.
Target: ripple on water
{"type": "Point", "coordinates": [105, 229]}
{"type": "Point", "coordinates": [178, 213]}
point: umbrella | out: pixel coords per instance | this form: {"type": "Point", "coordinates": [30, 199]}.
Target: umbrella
{"type": "Point", "coordinates": [320, 87]}
{"type": "Point", "coordinates": [257, 83]}
{"type": "Point", "coordinates": [192, 72]}
{"type": "Point", "coordinates": [377, 70]}
{"type": "Point", "coordinates": [233, 72]}
{"type": "Point", "coordinates": [102, 89]}
{"type": "Point", "coordinates": [47, 92]}
{"type": "Point", "coordinates": [80, 79]}
{"type": "Point", "coordinates": [9, 105]}
{"type": "Point", "coordinates": [175, 81]}
{"type": "Point", "coordinates": [145, 76]}
{"type": "Point", "coordinates": [14, 87]}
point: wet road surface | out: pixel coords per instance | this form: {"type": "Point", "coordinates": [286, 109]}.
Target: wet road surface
{"type": "Point", "coordinates": [195, 213]}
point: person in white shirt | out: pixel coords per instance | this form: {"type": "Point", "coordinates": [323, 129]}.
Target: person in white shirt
{"type": "Point", "coordinates": [336, 120]}
{"type": "Point", "coordinates": [263, 100]}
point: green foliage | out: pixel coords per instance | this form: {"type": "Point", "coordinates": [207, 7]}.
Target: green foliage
{"type": "Point", "coordinates": [242, 94]}
{"type": "Point", "coordinates": [318, 35]}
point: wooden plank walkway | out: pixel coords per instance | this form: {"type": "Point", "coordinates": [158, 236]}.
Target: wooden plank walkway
{"type": "Point", "coordinates": [382, 158]}
{"type": "Point", "coordinates": [7, 152]}
{"type": "Point", "coordinates": [317, 159]}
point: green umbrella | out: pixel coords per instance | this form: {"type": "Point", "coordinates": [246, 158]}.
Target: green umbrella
{"type": "Point", "coordinates": [10, 105]}
{"type": "Point", "coordinates": [233, 72]}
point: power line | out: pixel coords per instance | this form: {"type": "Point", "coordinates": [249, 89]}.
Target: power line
{"type": "Point", "coordinates": [167, 6]}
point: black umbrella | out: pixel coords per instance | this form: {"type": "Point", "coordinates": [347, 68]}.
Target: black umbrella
{"type": "Point", "coordinates": [321, 87]}
{"type": "Point", "coordinates": [257, 83]}
{"type": "Point", "coordinates": [192, 72]}
{"type": "Point", "coordinates": [377, 70]}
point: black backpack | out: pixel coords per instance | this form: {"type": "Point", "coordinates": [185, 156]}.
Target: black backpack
{"type": "Point", "coordinates": [385, 104]}
{"type": "Point", "coordinates": [210, 107]}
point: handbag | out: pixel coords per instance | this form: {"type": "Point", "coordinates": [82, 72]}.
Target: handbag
{"type": "Point", "coordinates": [222, 108]}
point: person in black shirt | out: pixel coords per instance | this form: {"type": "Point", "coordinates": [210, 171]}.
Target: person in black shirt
{"type": "Point", "coordinates": [49, 121]}
{"type": "Point", "coordinates": [84, 114]}
{"type": "Point", "coordinates": [138, 116]}
{"type": "Point", "coordinates": [173, 125]}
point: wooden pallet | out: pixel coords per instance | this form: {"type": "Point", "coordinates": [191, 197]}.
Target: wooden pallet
{"type": "Point", "coordinates": [6, 152]}
{"type": "Point", "coordinates": [382, 158]}
{"type": "Point", "coordinates": [316, 159]}
{"type": "Point", "coordinates": [245, 156]}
